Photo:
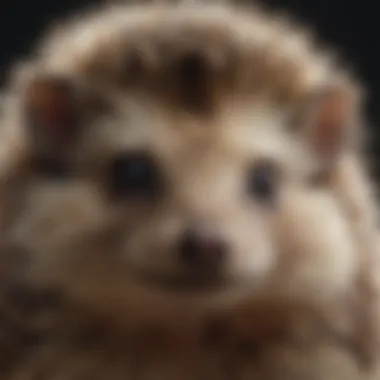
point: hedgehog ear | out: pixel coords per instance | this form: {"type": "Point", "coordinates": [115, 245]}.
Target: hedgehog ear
{"type": "Point", "coordinates": [55, 108]}
{"type": "Point", "coordinates": [51, 112]}
{"type": "Point", "coordinates": [330, 122]}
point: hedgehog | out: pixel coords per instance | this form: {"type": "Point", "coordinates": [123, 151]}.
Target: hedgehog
{"type": "Point", "coordinates": [183, 195]}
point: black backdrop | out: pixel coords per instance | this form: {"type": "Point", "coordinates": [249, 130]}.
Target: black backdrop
{"type": "Point", "coordinates": [353, 26]}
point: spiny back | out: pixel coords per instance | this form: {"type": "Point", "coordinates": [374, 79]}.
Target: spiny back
{"type": "Point", "coordinates": [230, 50]}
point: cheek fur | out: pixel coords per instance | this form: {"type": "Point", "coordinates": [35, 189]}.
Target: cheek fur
{"type": "Point", "coordinates": [318, 251]}
{"type": "Point", "coordinates": [54, 221]}
{"type": "Point", "coordinates": [254, 254]}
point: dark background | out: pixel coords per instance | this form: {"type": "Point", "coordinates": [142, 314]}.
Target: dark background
{"type": "Point", "coordinates": [352, 26]}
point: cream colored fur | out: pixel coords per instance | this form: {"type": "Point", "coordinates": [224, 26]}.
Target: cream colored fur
{"type": "Point", "coordinates": [302, 294]}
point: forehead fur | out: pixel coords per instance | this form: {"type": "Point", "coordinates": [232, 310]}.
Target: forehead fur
{"type": "Point", "coordinates": [205, 51]}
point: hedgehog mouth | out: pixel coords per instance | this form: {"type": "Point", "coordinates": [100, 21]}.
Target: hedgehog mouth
{"type": "Point", "coordinates": [189, 282]}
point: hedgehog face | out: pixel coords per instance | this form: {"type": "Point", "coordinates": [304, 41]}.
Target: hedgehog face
{"type": "Point", "coordinates": [178, 182]}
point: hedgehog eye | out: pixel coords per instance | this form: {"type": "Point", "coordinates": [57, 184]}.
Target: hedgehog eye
{"type": "Point", "coordinates": [134, 175]}
{"type": "Point", "coordinates": [263, 181]}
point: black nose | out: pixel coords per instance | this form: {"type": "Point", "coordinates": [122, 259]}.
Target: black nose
{"type": "Point", "coordinates": [202, 249]}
